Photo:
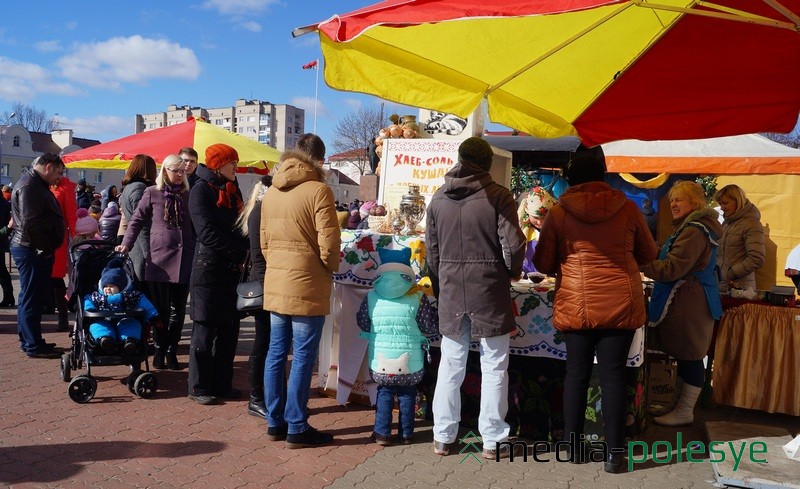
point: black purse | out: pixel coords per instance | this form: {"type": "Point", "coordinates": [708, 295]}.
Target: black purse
{"type": "Point", "coordinates": [249, 295]}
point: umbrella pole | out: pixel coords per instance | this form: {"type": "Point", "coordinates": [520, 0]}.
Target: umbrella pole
{"type": "Point", "coordinates": [316, 92]}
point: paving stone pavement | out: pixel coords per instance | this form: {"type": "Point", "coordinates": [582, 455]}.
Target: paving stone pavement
{"type": "Point", "coordinates": [119, 440]}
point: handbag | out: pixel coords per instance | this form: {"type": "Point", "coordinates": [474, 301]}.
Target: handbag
{"type": "Point", "coordinates": [249, 295]}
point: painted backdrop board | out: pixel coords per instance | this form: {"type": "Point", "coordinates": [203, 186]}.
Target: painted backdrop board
{"type": "Point", "coordinates": [424, 162]}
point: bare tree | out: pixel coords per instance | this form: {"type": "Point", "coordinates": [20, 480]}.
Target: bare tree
{"type": "Point", "coordinates": [355, 131]}
{"type": "Point", "coordinates": [30, 117]}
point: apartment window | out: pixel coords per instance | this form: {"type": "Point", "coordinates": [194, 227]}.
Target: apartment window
{"type": "Point", "coordinates": [263, 139]}
{"type": "Point", "coordinates": [218, 122]}
{"type": "Point", "coordinates": [98, 177]}
{"type": "Point", "coordinates": [81, 174]}
{"type": "Point", "coordinates": [5, 171]}
{"type": "Point", "coordinates": [16, 141]}
{"type": "Point", "coordinates": [252, 118]}
{"type": "Point", "coordinates": [346, 193]}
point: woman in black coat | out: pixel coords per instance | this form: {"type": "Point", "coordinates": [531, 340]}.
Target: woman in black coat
{"type": "Point", "coordinates": [214, 204]}
{"type": "Point", "coordinates": [250, 223]}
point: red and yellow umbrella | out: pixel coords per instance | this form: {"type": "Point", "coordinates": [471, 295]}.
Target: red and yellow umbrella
{"type": "Point", "coordinates": [158, 143]}
{"type": "Point", "coordinates": [602, 70]}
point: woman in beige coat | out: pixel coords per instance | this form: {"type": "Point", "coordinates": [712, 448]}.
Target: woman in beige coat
{"type": "Point", "coordinates": [300, 240]}
{"type": "Point", "coordinates": [741, 249]}
{"type": "Point", "coordinates": [685, 300]}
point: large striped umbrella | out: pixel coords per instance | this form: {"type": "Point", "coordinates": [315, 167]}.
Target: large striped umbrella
{"type": "Point", "coordinates": [158, 143]}
{"type": "Point", "coordinates": [603, 70]}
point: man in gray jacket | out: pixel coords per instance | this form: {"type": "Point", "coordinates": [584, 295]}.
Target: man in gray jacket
{"type": "Point", "coordinates": [475, 248]}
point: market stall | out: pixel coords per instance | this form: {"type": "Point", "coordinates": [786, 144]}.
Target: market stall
{"type": "Point", "coordinates": [757, 358]}
{"type": "Point", "coordinates": [537, 366]}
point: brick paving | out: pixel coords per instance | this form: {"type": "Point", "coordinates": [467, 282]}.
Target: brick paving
{"type": "Point", "coordinates": [119, 440]}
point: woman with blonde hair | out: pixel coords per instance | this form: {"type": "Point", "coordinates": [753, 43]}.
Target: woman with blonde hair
{"type": "Point", "coordinates": [685, 300]}
{"type": "Point", "coordinates": [741, 249]}
{"type": "Point", "coordinates": [249, 223]}
{"type": "Point", "coordinates": [164, 210]}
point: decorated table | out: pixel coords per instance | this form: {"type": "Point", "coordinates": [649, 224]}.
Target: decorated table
{"type": "Point", "coordinates": [757, 358]}
{"type": "Point", "coordinates": [536, 368]}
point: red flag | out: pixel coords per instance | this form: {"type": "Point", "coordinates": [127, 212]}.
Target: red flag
{"type": "Point", "coordinates": [312, 64]}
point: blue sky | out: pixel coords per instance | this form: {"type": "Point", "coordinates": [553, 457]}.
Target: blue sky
{"type": "Point", "coordinates": [97, 64]}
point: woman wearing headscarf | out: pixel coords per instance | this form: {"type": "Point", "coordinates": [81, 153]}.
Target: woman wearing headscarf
{"type": "Point", "coordinates": [215, 203]}
{"type": "Point", "coordinates": [164, 209]}
{"type": "Point", "coordinates": [685, 300]}
{"type": "Point", "coordinates": [109, 194]}
{"type": "Point", "coordinates": [141, 173]}
{"type": "Point", "coordinates": [741, 248]}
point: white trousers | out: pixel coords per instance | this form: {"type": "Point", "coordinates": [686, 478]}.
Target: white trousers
{"type": "Point", "coordinates": [494, 387]}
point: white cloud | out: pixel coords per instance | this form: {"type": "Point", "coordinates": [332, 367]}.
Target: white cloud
{"type": "Point", "coordinates": [20, 81]}
{"type": "Point", "coordinates": [252, 26]}
{"type": "Point", "coordinates": [71, 26]}
{"type": "Point", "coordinates": [131, 59]}
{"type": "Point", "coordinates": [353, 103]}
{"type": "Point", "coordinates": [102, 127]}
{"type": "Point", "coordinates": [307, 104]}
{"type": "Point", "coordinates": [235, 7]}
{"type": "Point", "coordinates": [48, 46]}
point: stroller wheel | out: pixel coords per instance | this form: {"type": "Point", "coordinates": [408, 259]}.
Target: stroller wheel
{"type": "Point", "coordinates": [66, 366]}
{"type": "Point", "coordinates": [146, 385]}
{"type": "Point", "coordinates": [131, 382]}
{"type": "Point", "coordinates": [82, 389]}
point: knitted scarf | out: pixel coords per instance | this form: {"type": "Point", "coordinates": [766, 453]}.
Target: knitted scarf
{"type": "Point", "coordinates": [173, 205]}
{"type": "Point", "coordinates": [228, 197]}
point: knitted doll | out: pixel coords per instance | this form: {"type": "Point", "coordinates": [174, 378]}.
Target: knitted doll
{"type": "Point", "coordinates": [111, 333]}
{"type": "Point", "coordinates": [532, 211]}
{"type": "Point", "coordinates": [395, 317]}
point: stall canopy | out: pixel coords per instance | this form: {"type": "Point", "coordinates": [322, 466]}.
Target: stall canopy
{"type": "Point", "coordinates": [158, 143]}
{"type": "Point", "coordinates": [749, 154]}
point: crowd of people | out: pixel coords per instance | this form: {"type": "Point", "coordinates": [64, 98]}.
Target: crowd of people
{"type": "Point", "coordinates": [188, 232]}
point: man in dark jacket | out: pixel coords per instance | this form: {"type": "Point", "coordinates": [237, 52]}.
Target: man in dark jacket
{"type": "Point", "coordinates": [5, 277]}
{"type": "Point", "coordinates": [475, 248]}
{"type": "Point", "coordinates": [83, 195]}
{"type": "Point", "coordinates": [39, 229]}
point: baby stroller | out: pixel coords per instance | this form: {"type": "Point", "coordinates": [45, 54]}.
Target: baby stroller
{"type": "Point", "coordinates": [89, 258]}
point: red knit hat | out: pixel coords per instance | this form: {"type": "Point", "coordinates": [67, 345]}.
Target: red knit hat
{"type": "Point", "coordinates": [219, 155]}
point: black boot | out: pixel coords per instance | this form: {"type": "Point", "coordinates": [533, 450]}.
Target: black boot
{"type": "Point", "coordinates": [256, 406]}
{"type": "Point", "coordinates": [172, 359]}
{"type": "Point", "coordinates": [158, 358]}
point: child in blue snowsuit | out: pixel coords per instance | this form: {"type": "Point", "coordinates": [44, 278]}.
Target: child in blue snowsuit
{"type": "Point", "coordinates": [395, 320]}
{"type": "Point", "coordinates": [112, 334]}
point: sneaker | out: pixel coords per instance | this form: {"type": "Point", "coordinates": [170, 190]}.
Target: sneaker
{"type": "Point", "coordinates": [505, 452]}
{"type": "Point", "coordinates": [158, 359]}
{"type": "Point", "coordinates": [381, 440]}
{"type": "Point", "coordinates": [440, 448]}
{"type": "Point", "coordinates": [308, 438]}
{"type": "Point", "coordinates": [204, 400]}
{"type": "Point", "coordinates": [108, 345]}
{"type": "Point", "coordinates": [171, 360]}
{"type": "Point", "coordinates": [277, 433]}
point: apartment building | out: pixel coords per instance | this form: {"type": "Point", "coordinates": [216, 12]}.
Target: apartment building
{"type": "Point", "coordinates": [277, 125]}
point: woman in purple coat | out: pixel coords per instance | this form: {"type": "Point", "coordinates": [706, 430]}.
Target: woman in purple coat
{"type": "Point", "coordinates": [165, 207]}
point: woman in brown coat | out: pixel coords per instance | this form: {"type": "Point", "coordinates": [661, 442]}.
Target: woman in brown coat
{"type": "Point", "coordinates": [685, 300]}
{"type": "Point", "coordinates": [741, 249]}
{"type": "Point", "coordinates": [594, 240]}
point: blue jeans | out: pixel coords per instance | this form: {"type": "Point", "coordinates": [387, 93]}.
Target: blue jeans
{"type": "Point", "coordinates": [302, 334]}
{"type": "Point", "coordinates": [34, 288]}
{"type": "Point", "coordinates": [406, 397]}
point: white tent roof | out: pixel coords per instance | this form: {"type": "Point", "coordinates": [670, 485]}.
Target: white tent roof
{"type": "Point", "coordinates": [733, 155]}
